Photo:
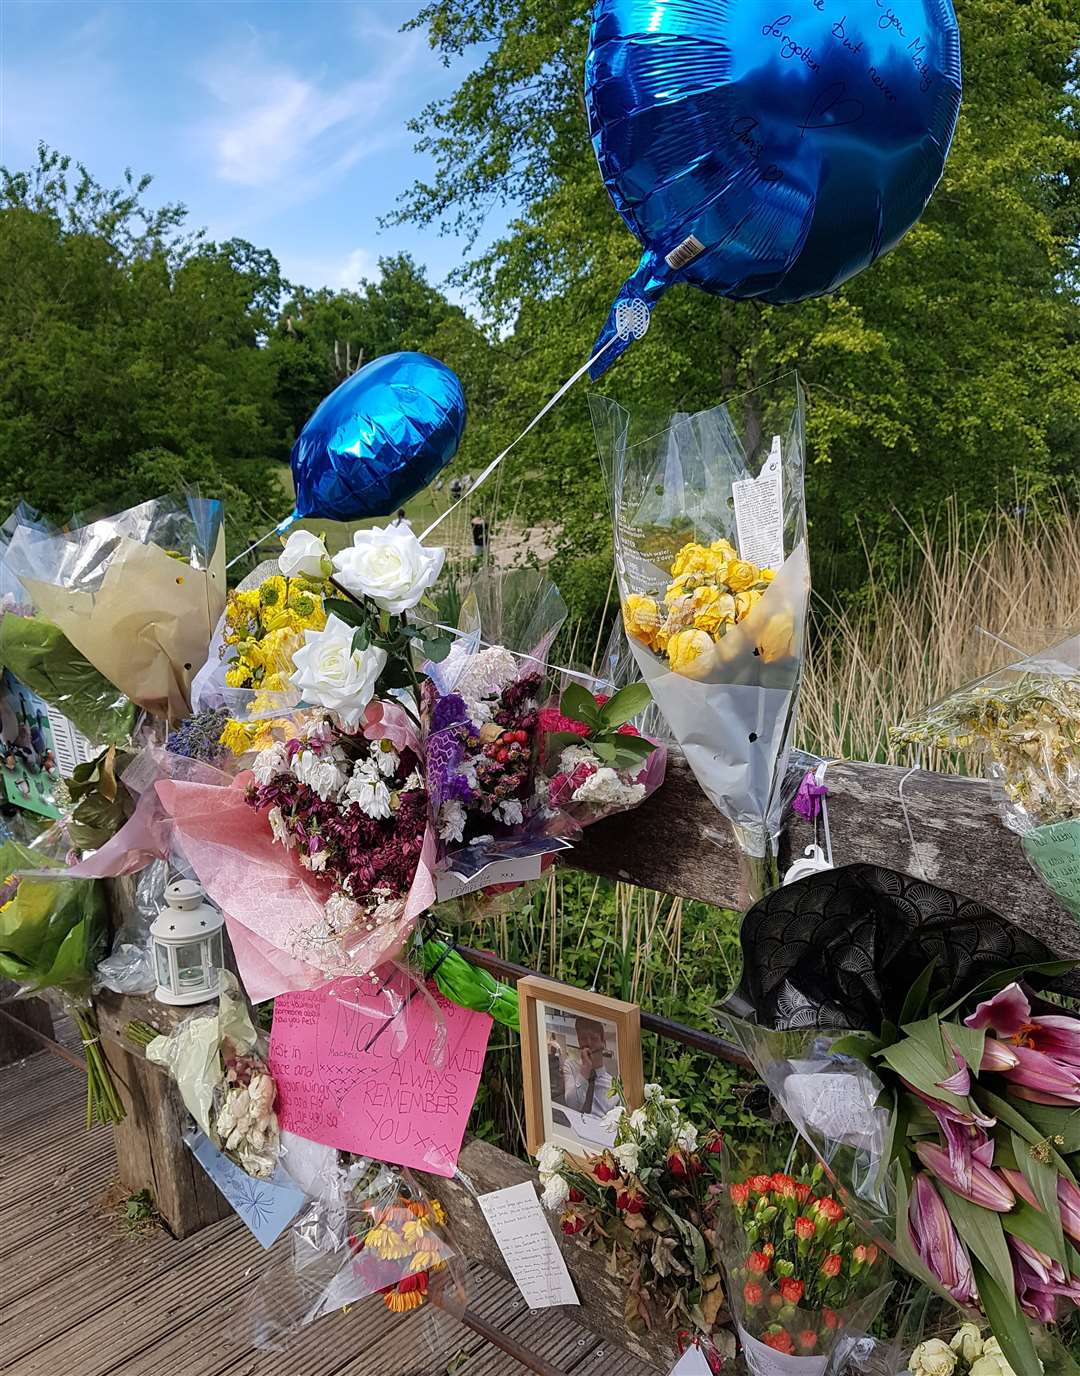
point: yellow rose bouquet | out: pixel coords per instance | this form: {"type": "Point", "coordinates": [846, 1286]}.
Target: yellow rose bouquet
{"type": "Point", "coordinates": [714, 581]}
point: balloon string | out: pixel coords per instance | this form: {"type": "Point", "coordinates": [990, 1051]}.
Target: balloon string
{"type": "Point", "coordinates": [487, 472]}
{"type": "Point", "coordinates": [277, 530]}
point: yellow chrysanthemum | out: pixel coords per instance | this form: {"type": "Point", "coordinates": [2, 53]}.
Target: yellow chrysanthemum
{"type": "Point", "coordinates": [398, 1303]}
{"type": "Point", "coordinates": [744, 601]}
{"type": "Point", "coordinates": [387, 1242]}
{"type": "Point", "coordinates": [741, 574]}
{"type": "Point", "coordinates": [239, 675]}
{"type": "Point", "coordinates": [235, 737]}
{"type": "Point", "coordinates": [437, 1211]}
{"type": "Point", "coordinates": [641, 617]}
{"type": "Point", "coordinates": [690, 653]}
{"type": "Point", "coordinates": [273, 591]}
{"type": "Point", "coordinates": [262, 733]}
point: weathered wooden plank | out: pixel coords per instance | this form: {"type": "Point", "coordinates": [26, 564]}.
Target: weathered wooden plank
{"type": "Point", "coordinates": [677, 842]}
{"type": "Point", "coordinates": [602, 1296]}
{"type": "Point", "coordinates": [36, 1013]}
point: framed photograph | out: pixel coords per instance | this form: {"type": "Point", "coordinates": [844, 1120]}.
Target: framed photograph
{"type": "Point", "coordinates": [581, 1056]}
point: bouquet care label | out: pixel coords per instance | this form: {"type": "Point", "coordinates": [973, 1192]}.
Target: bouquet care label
{"type": "Point", "coordinates": [759, 512]}
{"type": "Point", "coordinates": [1054, 852]}
{"type": "Point", "coordinates": [692, 1363]}
{"type": "Point", "coordinates": [521, 1230]}
{"type": "Point", "coordinates": [763, 1360]}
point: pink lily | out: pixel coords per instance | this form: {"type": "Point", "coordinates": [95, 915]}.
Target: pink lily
{"type": "Point", "coordinates": [964, 1131]}
{"type": "Point", "coordinates": [986, 1187]}
{"type": "Point", "coordinates": [998, 1056]}
{"type": "Point", "coordinates": [1009, 1015]}
{"type": "Point", "coordinates": [1041, 1079]}
{"type": "Point", "coordinates": [1040, 1281]}
{"type": "Point", "coordinates": [937, 1242]}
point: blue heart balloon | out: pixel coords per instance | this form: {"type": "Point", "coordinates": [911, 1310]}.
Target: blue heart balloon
{"type": "Point", "coordinates": [767, 148]}
{"type": "Point", "coordinates": [376, 440]}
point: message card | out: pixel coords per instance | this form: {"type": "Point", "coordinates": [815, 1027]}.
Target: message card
{"type": "Point", "coordinates": [518, 1224]}
{"type": "Point", "coordinates": [371, 1066]}
{"type": "Point", "coordinates": [267, 1207]}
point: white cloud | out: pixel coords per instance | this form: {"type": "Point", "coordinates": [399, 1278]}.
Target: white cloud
{"type": "Point", "coordinates": [331, 271]}
{"type": "Point", "coordinates": [274, 125]}
{"type": "Point", "coordinates": [361, 263]}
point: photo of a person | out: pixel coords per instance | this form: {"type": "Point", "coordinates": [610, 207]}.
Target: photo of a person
{"type": "Point", "coordinates": [582, 1074]}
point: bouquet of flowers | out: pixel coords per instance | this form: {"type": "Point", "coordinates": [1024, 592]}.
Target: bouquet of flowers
{"type": "Point", "coordinates": [802, 1281]}
{"type": "Point", "coordinates": [653, 1200]}
{"type": "Point", "coordinates": [1024, 723]}
{"type": "Point", "coordinates": [594, 761]}
{"type": "Point", "coordinates": [397, 1240]}
{"type": "Point", "coordinates": [947, 1113]}
{"type": "Point", "coordinates": [966, 1353]}
{"type": "Point", "coordinates": [218, 1061]}
{"type": "Point", "coordinates": [710, 553]}
{"type": "Point", "coordinates": [137, 594]}
{"type": "Point", "coordinates": [53, 932]}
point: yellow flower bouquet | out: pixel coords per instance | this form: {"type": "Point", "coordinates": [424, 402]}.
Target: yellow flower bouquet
{"type": "Point", "coordinates": [714, 581]}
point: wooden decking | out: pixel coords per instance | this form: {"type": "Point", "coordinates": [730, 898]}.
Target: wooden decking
{"type": "Point", "coordinates": [81, 1295]}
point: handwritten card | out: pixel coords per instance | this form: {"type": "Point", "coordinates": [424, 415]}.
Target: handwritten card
{"type": "Point", "coordinates": [1054, 851]}
{"type": "Point", "coordinates": [267, 1207]}
{"type": "Point", "coordinates": [520, 1227]}
{"type": "Point", "coordinates": [371, 1066]}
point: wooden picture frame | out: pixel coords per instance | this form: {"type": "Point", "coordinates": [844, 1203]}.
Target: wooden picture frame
{"type": "Point", "coordinates": [569, 1086]}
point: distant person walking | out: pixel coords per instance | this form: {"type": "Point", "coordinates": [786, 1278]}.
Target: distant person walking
{"type": "Point", "coordinates": [455, 489]}
{"type": "Point", "coordinates": [401, 520]}
{"type": "Point", "coordinates": [479, 537]}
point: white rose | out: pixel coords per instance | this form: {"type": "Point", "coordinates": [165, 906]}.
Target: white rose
{"type": "Point", "coordinates": [992, 1362]}
{"type": "Point", "coordinates": [967, 1341]}
{"type": "Point", "coordinates": [932, 1358]}
{"type": "Point", "coordinates": [305, 554]}
{"type": "Point", "coordinates": [390, 566]}
{"type": "Point", "coordinates": [550, 1159]}
{"type": "Point", "coordinates": [331, 674]}
{"type": "Point", "coordinates": [687, 1138]}
{"type": "Point", "coordinates": [556, 1193]}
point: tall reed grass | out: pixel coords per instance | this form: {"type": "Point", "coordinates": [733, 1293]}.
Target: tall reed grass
{"type": "Point", "coordinates": [971, 595]}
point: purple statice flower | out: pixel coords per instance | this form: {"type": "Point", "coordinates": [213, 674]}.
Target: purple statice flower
{"type": "Point", "coordinates": [450, 711]}
{"type": "Point", "coordinates": [199, 737]}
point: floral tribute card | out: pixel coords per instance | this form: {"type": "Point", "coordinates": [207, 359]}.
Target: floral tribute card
{"type": "Point", "coordinates": [377, 1066]}
{"type": "Point", "coordinates": [267, 1207]}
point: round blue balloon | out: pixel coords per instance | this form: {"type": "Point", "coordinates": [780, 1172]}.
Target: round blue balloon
{"type": "Point", "coordinates": [379, 438]}
{"type": "Point", "coordinates": [768, 148]}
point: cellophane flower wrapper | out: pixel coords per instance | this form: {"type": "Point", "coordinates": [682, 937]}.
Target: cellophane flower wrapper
{"type": "Point", "coordinates": [369, 1234]}
{"type": "Point", "coordinates": [716, 617]}
{"type": "Point", "coordinates": [137, 594]}
{"type": "Point", "coordinates": [219, 1063]}
{"type": "Point", "coordinates": [482, 792]}
{"type": "Point", "coordinates": [275, 908]}
{"type": "Point", "coordinates": [836, 1329]}
{"type": "Point", "coordinates": [1023, 724]}
{"type": "Point", "coordinates": [840, 951]}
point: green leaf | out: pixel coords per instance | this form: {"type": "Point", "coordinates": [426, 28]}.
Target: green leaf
{"type": "Point", "coordinates": [555, 742]}
{"type": "Point", "coordinates": [1043, 1179]}
{"type": "Point", "coordinates": [360, 639]}
{"type": "Point", "coordinates": [436, 650]}
{"type": "Point", "coordinates": [982, 1234]}
{"type": "Point", "coordinates": [923, 1064]}
{"type": "Point", "coordinates": [1010, 1326]}
{"type": "Point", "coordinates": [1035, 1228]}
{"type": "Point", "coordinates": [580, 705]}
{"type": "Point", "coordinates": [625, 705]}
{"type": "Point", "coordinates": [862, 1046]}
{"type": "Point", "coordinates": [348, 612]}
{"type": "Point", "coordinates": [916, 997]}
{"type": "Point", "coordinates": [1006, 1113]}
{"type": "Point", "coordinates": [968, 1041]}
{"type": "Point", "coordinates": [1056, 1122]}
{"type": "Point", "coordinates": [1001, 979]}
{"type": "Point", "coordinates": [635, 747]}
{"type": "Point", "coordinates": [603, 750]}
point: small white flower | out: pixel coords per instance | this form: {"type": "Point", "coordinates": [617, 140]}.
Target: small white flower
{"type": "Point", "coordinates": [331, 674]}
{"type": "Point", "coordinates": [550, 1160]}
{"type": "Point", "coordinates": [385, 757]}
{"type": "Point", "coordinates": [413, 782]}
{"type": "Point", "coordinates": [270, 762]}
{"type": "Point", "coordinates": [367, 790]}
{"type": "Point", "coordinates": [452, 821]}
{"type": "Point", "coordinates": [341, 911]}
{"type": "Point", "coordinates": [626, 1155]}
{"type": "Point", "coordinates": [556, 1193]}
{"type": "Point", "coordinates": [687, 1138]}
{"type": "Point", "coordinates": [509, 812]}
{"type": "Point", "coordinates": [304, 553]}
{"type": "Point", "coordinates": [320, 772]}
{"type": "Point", "coordinates": [654, 1094]}
{"type": "Point", "coordinates": [606, 789]}
{"type": "Point", "coordinates": [639, 1120]}
{"type": "Point", "coordinates": [279, 830]}
{"type": "Point", "coordinates": [390, 566]}
{"type": "Point", "coordinates": [574, 755]}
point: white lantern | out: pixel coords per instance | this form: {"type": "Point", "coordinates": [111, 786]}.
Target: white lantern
{"type": "Point", "coordinates": [187, 945]}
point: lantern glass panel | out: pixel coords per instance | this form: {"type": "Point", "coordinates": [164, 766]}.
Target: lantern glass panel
{"type": "Point", "coordinates": [217, 955]}
{"type": "Point", "coordinates": [190, 967]}
{"type": "Point", "coordinates": [163, 977]}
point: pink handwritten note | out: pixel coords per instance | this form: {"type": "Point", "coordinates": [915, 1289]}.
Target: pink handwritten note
{"type": "Point", "coordinates": [361, 1069]}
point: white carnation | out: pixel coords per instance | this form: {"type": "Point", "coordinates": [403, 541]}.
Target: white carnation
{"type": "Point", "coordinates": [321, 773]}
{"type": "Point", "coordinates": [550, 1160]}
{"type": "Point", "coordinates": [606, 789]}
{"type": "Point", "coordinates": [509, 812]}
{"type": "Point", "coordinates": [574, 755]}
{"type": "Point", "coordinates": [627, 1157]}
{"type": "Point", "coordinates": [556, 1193]}
{"type": "Point", "coordinates": [452, 821]}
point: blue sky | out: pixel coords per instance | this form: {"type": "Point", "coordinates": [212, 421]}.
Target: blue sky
{"type": "Point", "coordinates": [278, 122]}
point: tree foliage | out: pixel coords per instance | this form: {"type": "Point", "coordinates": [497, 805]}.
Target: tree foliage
{"type": "Point", "coordinates": [951, 367]}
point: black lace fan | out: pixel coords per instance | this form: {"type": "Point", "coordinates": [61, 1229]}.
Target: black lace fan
{"type": "Point", "coordinates": [841, 948]}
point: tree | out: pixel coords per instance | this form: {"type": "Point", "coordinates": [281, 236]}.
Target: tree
{"type": "Point", "coordinates": [950, 367]}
